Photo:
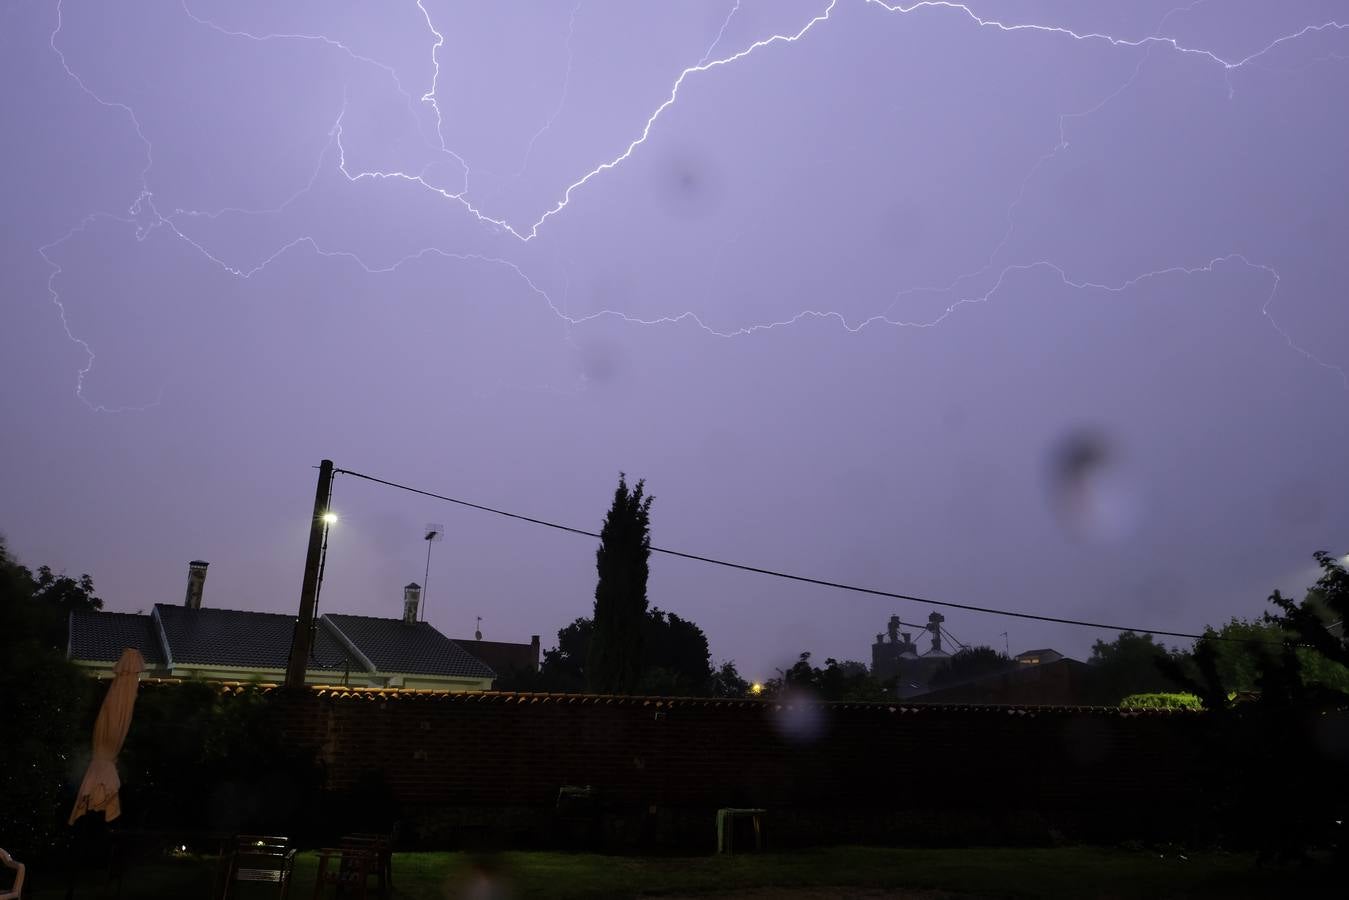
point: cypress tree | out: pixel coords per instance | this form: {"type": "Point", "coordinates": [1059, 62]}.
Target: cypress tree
{"type": "Point", "coordinates": [614, 663]}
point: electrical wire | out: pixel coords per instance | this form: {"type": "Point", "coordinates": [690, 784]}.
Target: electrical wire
{"type": "Point", "coordinates": [803, 579]}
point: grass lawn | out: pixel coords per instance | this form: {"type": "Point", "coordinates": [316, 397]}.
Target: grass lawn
{"type": "Point", "coordinates": [1074, 872]}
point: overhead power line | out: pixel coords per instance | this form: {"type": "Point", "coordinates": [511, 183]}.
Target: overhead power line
{"type": "Point", "coordinates": [803, 579]}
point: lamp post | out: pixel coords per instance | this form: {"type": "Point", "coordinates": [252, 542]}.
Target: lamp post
{"type": "Point", "coordinates": [433, 533]}
{"type": "Point", "coordinates": [318, 533]}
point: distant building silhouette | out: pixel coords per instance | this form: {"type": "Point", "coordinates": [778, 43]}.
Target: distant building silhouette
{"type": "Point", "coordinates": [895, 655]}
{"type": "Point", "coordinates": [1038, 657]}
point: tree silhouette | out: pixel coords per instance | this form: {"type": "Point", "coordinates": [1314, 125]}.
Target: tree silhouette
{"type": "Point", "coordinates": [614, 663]}
{"type": "Point", "coordinates": [846, 680]}
{"type": "Point", "coordinates": [969, 664]}
{"type": "Point", "coordinates": [1131, 664]}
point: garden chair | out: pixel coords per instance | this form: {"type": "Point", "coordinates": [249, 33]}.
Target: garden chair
{"type": "Point", "coordinates": [381, 845]}
{"type": "Point", "coordinates": [16, 889]}
{"type": "Point", "coordinates": [347, 870]}
{"type": "Point", "coordinates": [268, 859]}
{"type": "Point", "coordinates": [726, 819]}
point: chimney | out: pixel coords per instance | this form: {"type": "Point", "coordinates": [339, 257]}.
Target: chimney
{"type": "Point", "coordinates": [412, 598]}
{"type": "Point", "coordinates": [534, 649]}
{"type": "Point", "coordinates": [196, 580]}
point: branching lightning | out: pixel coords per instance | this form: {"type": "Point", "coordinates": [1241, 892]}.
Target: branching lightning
{"type": "Point", "coordinates": [143, 215]}
{"type": "Point", "coordinates": [562, 97]}
{"type": "Point", "coordinates": [721, 32]}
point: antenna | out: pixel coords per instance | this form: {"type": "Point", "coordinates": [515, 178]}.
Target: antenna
{"type": "Point", "coordinates": [433, 532]}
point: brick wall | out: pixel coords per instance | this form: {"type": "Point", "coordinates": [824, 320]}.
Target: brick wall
{"type": "Point", "coordinates": [864, 768]}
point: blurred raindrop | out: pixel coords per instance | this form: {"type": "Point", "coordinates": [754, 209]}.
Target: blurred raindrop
{"type": "Point", "coordinates": [601, 361]}
{"type": "Point", "coordinates": [1091, 492]}
{"type": "Point", "coordinates": [687, 184]}
{"type": "Point", "coordinates": [799, 717]}
{"type": "Point", "coordinates": [483, 878]}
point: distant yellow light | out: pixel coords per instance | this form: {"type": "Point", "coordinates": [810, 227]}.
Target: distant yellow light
{"type": "Point", "coordinates": [329, 518]}
{"type": "Point", "coordinates": [756, 688]}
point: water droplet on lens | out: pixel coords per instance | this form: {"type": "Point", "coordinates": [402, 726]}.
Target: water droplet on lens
{"type": "Point", "coordinates": [1091, 491]}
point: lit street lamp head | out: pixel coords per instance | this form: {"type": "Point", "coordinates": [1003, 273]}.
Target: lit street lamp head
{"type": "Point", "coordinates": [329, 518]}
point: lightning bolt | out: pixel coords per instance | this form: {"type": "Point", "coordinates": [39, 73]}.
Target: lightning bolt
{"type": "Point", "coordinates": [721, 32]}
{"type": "Point", "coordinates": [144, 217]}
{"type": "Point", "coordinates": [562, 100]}
{"type": "Point", "coordinates": [528, 233]}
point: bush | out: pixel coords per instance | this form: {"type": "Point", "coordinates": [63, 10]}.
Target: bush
{"type": "Point", "coordinates": [46, 734]}
{"type": "Point", "coordinates": [1161, 701]}
{"type": "Point", "coordinates": [197, 759]}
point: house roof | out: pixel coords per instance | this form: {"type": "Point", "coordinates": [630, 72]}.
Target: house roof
{"type": "Point", "coordinates": [1063, 682]}
{"type": "Point", "coordinates": [235, 637]}
{"type": "Point", "coordinates": [232, 638]}
{"type": "Point", "coordinates": [393, 645]}
{"type": "Point", "coordinates": [1041, 652]}
{"type": "Point", "coordinates": [104, 640]}
{"type": "Point", "coordinates": [502, 656]}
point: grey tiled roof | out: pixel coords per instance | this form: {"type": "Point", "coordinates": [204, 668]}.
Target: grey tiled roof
{"type": "Point", "coordinates": [234, 637]}
{"type": "Point", "coordinates": [397, 647]}
{"type": "Point", "coordinates": [501, 656]}
{"type": "Point", "coordinates": [102, 636]}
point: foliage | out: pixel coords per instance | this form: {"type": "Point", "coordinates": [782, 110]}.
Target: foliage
{"type": "Point", "coordinates": [1244, 649]}
{"type": "Point", "coordinates": [1297, 731]}
{"type": "Point", "coordinates": [971, 663]}
{"type": "Point", "coordinates": [1326, 603]}
{"type": "Point", "coordinates": [194, 758]}
{"type": "Point", "coordinates": [47, 701]}
{"type": "Point", "coordinates": [847, 680]}
{"type": "Point", "coordinates": [675, 661]}
{"type": "Point", "coordinates": [37, 608]}
{"type": "Point", "coordinates": [1132, 664]}
{"type": "Point", "coordinates": [726, 682]}
{"type": "Point", "coordinates": [614, 660]}
{"type": "Point", "coordinates": [1161, 701]}
{"type": "Point", "coordinates": [564, 667]}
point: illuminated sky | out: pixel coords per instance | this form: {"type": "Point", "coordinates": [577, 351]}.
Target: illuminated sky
{"type": "Point", "coordinates": [1036, 305]}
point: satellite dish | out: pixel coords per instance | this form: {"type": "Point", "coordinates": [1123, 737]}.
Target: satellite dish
{"type": "Point", "coordinates": [434, 532]}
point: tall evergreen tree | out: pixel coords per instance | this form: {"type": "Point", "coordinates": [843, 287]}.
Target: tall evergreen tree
{"type": "Point", "coordinates": [614, 663]}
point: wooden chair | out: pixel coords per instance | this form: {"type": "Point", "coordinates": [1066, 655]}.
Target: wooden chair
{"type": "Point", "coordinates": [347, 870]}
{"type": "Point", "coordinates": [268, 859]}
{"type": "Point", "coordinates": [16, 889]}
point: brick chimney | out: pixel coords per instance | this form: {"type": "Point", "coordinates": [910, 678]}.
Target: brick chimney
{"type": "Point", "coordinates": [196, 580]}
{"type": "Point", "coordinates": [412, 598]}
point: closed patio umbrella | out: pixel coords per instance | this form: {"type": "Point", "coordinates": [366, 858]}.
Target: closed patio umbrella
{"type": "Point", "coordinates": [101, 785]}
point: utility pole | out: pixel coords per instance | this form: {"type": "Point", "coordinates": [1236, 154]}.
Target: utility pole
{"type": "Point", "coordinates": [318, 527]}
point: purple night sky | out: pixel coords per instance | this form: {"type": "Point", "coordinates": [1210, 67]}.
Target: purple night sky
{"type": "Point", "coordinates": [1033, 305]}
